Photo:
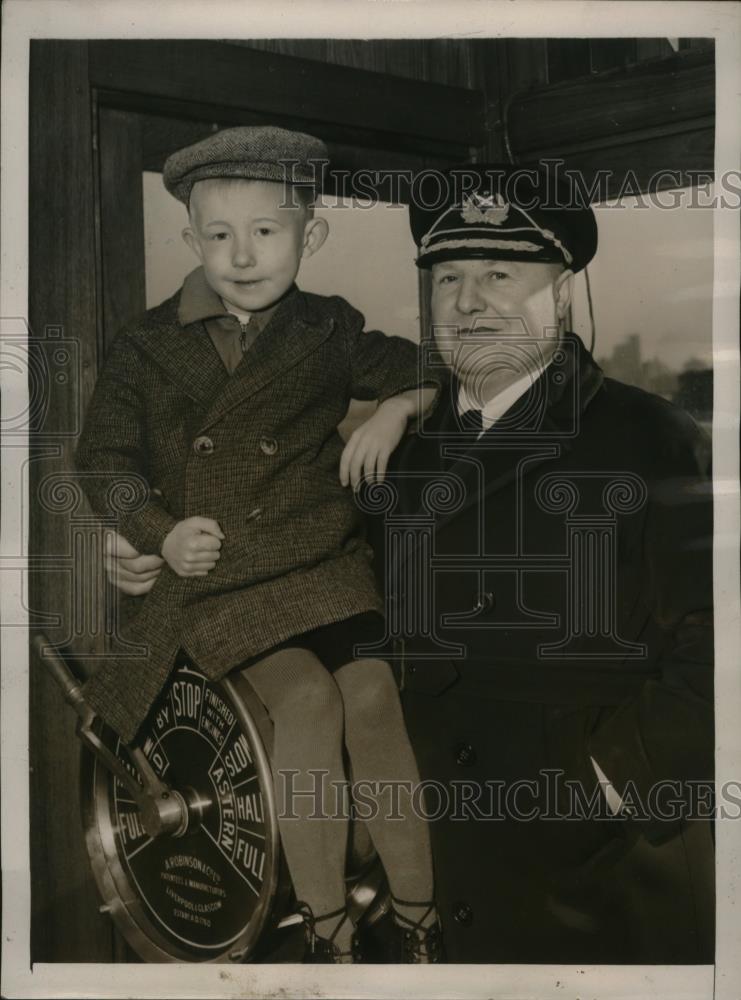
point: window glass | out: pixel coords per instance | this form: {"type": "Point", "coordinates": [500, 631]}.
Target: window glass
{"type": "Point", "coordinates": [652, 293]}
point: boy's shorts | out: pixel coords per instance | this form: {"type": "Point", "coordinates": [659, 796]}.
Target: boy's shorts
{"type": "Point", "coordinates": [334, 644]}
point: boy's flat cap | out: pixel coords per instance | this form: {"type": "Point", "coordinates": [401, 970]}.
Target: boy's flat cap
{"type": "Point", "coordinates": [265, 153]}
{"type": "Point", "coordinates": [501, 212]}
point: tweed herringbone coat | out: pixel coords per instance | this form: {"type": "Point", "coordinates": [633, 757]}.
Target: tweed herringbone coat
{"type": "Point", "coordinates": [169, 434]}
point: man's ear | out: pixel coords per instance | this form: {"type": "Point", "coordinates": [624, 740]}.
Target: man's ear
{"type": "Point", "coordinates": [190, 238]}
{"type": "Point", "coordinates": [563, 288]}
{"type": "Point", "coordinates": [315, 233]}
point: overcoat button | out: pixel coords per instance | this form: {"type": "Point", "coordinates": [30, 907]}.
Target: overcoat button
{"type": "Point", "coordinates": [463, 913]}
{"type": "Point", "coordinates": [465, 755]}
{"type": "Point", "coordinates": [268, 446]}
{"type": "Point", "coordinates": [203, 446]}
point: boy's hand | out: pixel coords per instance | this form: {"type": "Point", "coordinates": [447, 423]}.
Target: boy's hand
{"type": "Point", "coordinates": [192, 547]}
{"type": "Point", "coordinates": [368, 451]}
{"type": "Point", "coordinates": [128, 570]}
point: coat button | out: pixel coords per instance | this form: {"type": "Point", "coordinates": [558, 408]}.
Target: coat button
{"type": "Point", "coordinates": [268, 446]}
{"type": "Point", "coordinates": [463, 913]}
{"type": "Point", "coordinates": [203, 446]}
{"type": "Point", "coordinates": [465, 755]}
{"type": "Point", "coordinates": [485, 602]}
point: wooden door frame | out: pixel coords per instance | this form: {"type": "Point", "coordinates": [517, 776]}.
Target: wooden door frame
{"type": "Point", "coordinates": [660, 129]}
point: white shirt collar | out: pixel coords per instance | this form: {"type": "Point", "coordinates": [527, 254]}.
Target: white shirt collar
{"type": "Point", "coordinates": [498, 405]}
{"type": "Point", "coordinates": [243, 318]}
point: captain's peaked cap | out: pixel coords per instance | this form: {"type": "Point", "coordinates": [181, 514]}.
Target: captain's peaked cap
{"type": "Point", "coordinates": [260, 153]}
{"type": "Point", "coordinates": [501, 212]}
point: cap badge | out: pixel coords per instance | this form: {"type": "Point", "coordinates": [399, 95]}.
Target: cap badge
{"type": "Point", "coordinates": [491, 209]}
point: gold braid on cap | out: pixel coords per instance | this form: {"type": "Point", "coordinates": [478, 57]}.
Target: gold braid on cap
{"type": "Point", "coordinates": [498, 215]}
{"type": "Point", "coordinates": [482, 244]}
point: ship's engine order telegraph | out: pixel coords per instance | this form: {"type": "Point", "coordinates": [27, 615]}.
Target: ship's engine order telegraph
{"type": "Point", "coordinates": [181, 830]}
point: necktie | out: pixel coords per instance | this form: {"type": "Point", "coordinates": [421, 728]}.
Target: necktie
{"type": "Point", "coordinates": [472, 421]}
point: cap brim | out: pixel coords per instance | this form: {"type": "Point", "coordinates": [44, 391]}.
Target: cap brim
{"type": "Point", "coordinates": [546, 256]}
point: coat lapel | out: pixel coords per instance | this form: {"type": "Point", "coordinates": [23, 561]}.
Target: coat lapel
{"type": "Point", "coordinates": [184, 353]}
{"type": "Point", "coordinates": [291, 335]}
{"type": "Point", "coordinates": [188, 357]}
{"type": "Point", "coordinates": [494, 461]}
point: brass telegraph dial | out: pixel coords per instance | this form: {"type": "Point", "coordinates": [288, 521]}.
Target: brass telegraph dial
{"type": "Point", "coordinates": [182, 831]}
{"type": "Point", "coordinates": [200, 887]}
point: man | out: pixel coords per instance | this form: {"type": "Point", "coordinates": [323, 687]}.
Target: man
{"type": "Point", "coordinates": [549, 574]}
{"type": "Point", "coordinates": [570, 564]}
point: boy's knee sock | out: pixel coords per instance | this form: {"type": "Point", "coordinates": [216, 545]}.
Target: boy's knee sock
{"type": "Point", "coordinates": [380, 751]}
{"type": "Point", "coordinates": [306, 709]}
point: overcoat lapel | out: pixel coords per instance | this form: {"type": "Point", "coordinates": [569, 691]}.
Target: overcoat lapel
{"type": "Point", "coordinates": [188, 357]}
{"type": "Point", "coordinates": [269, 355]}
{"type": "Point", "coordinates": [184, 353]}
{"type": "Point", "coordinates": [502, 453]}
{"type": "Point", "coordinates": [492, 465]}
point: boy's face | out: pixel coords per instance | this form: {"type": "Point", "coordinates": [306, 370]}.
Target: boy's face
{"type": "Point", "coordinates": [249, 240]}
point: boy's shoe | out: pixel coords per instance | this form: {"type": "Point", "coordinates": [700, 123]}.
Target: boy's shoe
{"type": "Point", "coordinates": [323, 949]}
{"type": "Point", "coordinates": [418, 944]}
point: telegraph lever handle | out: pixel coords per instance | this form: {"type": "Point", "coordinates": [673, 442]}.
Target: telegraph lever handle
{"type": "Point", "coordinates": [163, 810]}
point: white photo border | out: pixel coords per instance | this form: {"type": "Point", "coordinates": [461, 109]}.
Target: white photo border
{"type": "Point", "coordinates": [223, 19]}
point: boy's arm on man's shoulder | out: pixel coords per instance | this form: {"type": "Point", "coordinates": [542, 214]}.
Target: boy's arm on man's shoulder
{"type": "Point", "coordinates": [111, 456]}
{"type": "Point", "coordinates": [383, 366]}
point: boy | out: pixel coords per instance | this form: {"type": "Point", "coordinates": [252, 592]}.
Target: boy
{"type": "Point", "coordinates": [220, 408]}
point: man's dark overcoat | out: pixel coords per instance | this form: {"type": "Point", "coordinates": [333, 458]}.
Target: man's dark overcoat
{"type": "Point", "coordinates": [571, 558]}
{"type": "Point", "coordinates": [169, 434]}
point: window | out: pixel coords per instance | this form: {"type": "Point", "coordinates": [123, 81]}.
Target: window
{"type": "Point", "coordinates": [652, 292]}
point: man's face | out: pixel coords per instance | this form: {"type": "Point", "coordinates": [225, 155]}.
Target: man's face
{"type": "Point", "coordinates": [497, 320]}
{"type": "Point", "coordinates": [248, 238]}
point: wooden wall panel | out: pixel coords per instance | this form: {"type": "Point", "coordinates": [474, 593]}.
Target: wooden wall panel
{"type": "Point", "coordinates": [502, 68]}
{"type": "Point", "coordinates": [567, 58]}
{"type": "Point", "coordinates": [665, 96]}
{"type": "Point", "coordinates": [270, 83]}
{"type": "Point", "coordinates": [65, 923]}
{"type": "Point", "coordinates": [161, 134]}
{"type": "Point", "coordinates": [437, 60]}
{"type": "Point", "coordinates": [611, 53]}
{"type": "Point", "coordinates": [657, 163]}
{"type": "Point", "coordinates": [121, 221]}
{"type": "Point", "coordinates": [648, 49]}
